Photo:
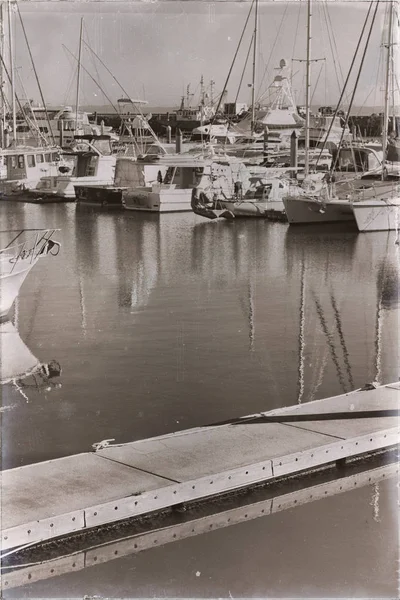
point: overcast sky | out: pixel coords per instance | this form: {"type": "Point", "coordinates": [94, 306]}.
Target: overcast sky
{"type": "Point", "coordinates": [156, 48]}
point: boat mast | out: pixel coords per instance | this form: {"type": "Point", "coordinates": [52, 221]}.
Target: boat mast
{"type": "Point", "coordinates": [78, 77]}
{"type": "Point", "coordinates": [253, 86]}
{"type": "Point", "coordinates": [387, 85]}
{"type": "Point", "coordinates": [11, 42]}
{"type": "Point", "coordinates": [308, 89]}
{"type": "Point", "coordinates": [2, 83]}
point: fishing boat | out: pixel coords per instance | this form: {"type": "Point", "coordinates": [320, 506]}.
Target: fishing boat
{"type": "Point", "coordinates": [130, 174]}
{"type": "Point", "coordinates": [172, 191]}
{"type": "Point", "coordinates": [279, 115]}
{"type": "Point", "coordinates": [18, 257]}
{"type": "Point", "coordinates": [25, 166]}
{"type": "Point", "coordinates": [94, 165]}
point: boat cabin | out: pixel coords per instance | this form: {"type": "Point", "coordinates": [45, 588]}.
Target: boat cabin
{"type": "Point", "coordinates": [356, 160]}
{"type": "Point", "coordinates": [93, 156]}
{"type": "Point", "coordinates": [23, 163]}
{"type": "Point", "coordinates": [183, 177]}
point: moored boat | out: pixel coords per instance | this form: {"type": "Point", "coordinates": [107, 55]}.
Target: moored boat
{"type": "Point", "coordinates": [18, 256]}
{"type": "Point", "coordinates": [94, 165]}
{"type": "Point", "coordinates": [25, 166]}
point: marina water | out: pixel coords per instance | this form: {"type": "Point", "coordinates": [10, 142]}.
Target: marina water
{"type": "Point", "coordinates": [165, 322]}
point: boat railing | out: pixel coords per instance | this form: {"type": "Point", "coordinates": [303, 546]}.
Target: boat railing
{"type": "Point", "coordinates": [39, 244]}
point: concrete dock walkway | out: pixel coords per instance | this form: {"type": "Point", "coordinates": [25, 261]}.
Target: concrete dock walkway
{"type": "Point", "coordinates": [46, 500]}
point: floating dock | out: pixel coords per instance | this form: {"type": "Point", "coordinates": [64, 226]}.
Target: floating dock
{"type": "Point", "coordinates": [54, 498]}
{"type": "Point", "coordinates": [78, 560]}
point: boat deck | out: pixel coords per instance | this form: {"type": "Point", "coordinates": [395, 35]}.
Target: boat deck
{"type": "Point", "coordinates": [46, 500]}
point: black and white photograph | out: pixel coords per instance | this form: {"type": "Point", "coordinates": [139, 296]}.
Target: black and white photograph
{"type": "Point", "coordinates": [199, 299]}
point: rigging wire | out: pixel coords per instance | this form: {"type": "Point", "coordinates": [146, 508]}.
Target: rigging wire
{"type": "Point", "coordinates": [21, 108]}
{"type": "Point", "coordinates": [356, 82]}
{"type": "Point", "coordinates": [123, 90]}
{"type": "Point", "coordinates": [93, 62]}
{"type": "Point", "coordinates": [71, 79]}
{"type": "Point", "coordinates": [345, 85]}
{"type": "Point", "coordinates": [316, 83]}
{"type": "Point", "coordinates": [294, 41]}
{"type": "Point", "coordinates": [270, 54]}
{"type": "Point", "coordinates": [328, 17]}
{"type": "Point", "coordinates": [36, 75]}
{"type": "Point", "coordinates": [233, 61]}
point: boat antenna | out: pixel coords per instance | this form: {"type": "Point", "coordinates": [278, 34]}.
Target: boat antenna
{"type": "Point", "coordinates": [36, 75]}
{"type": "Point", "coordinates": [308, 89]}
{"type": "Point", "coordinates": [346, 82]}
{"type": "Point", "coordinates": [386, 104]}
{"type": "Point", "coordinates": [78, 77]}
{"type": "Point", "coordinates": [253, 84]}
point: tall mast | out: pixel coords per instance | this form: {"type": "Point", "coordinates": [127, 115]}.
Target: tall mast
{"type": "Point", "coordinates": [78, 77]}
{"type": "Point", "coordinates": [2, 99]}
{"type": "Point", "coordinates": [253, 87]}
{"type": "Point", "coordinates": [308, 90]}
{"type": "Point", "coordinates": [387, 85]}
{"type": "Point", "coordinates": [11, 42]}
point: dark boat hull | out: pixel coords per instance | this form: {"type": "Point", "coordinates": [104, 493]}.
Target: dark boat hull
{"type": "Point", "coordinates": [106, 196]}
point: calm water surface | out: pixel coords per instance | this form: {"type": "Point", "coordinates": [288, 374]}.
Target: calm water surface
{"type": "Point", "coordinates": [165, 322]}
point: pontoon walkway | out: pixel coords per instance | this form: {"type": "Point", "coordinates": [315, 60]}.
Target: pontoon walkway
{"type": "Point", "coordinates": [49, 499]}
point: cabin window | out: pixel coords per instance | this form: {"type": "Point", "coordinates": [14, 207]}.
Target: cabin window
{"type": "Point", "coordinates": [47, 157]}
{"type": "Point", "coordinates": [39, 158]}
{"type": "Point", "coordinates": [31, 160]}
{"type": "Point", "coordinates": [22, 129]}
{"type": "Point", "coordinates": [43, 130]}
{"type": "Point", "coordinates": [12, 161]}
{"type": "Point", "coordinates": [21, 162]}
{"type": "Point", "coordinates": [168, 175]}
{"type": "Point", "coordinates": [54, 156]}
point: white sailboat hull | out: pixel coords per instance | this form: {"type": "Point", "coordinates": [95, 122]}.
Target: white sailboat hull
{"type": "Point", "coordinates": [305, 210]}
{"type": "Point", "coordinates": [377, 215]}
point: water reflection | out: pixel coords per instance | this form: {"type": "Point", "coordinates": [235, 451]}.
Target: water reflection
{"type": "Point", "coordinates": [183, 322]}
{"type": "Point", "coordinates": [20, 369]}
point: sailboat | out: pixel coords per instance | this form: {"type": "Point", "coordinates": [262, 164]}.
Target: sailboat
{"type": "Point", "coordinates": [381, 211]}
{"type": "Point", "coordinates": [357, 187]}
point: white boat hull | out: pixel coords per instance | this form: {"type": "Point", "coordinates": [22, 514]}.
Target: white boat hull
{"type": "Point", "coordinates": [377, 215]}
{"type": "Point", "coordinates": [17, 361]}
{"type": "Point", "coordinates": [63, 187]}
{"type": "Point", "coordinates": [162, 201]}
{"type": "Point", "coordinates": [10, 284]}
{"type": "Point", "coordinates": [305, 210]}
